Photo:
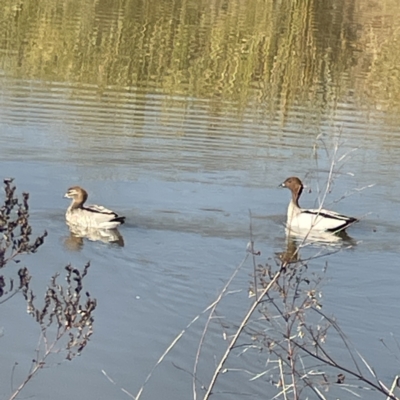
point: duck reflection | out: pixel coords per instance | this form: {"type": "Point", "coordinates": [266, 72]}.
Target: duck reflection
{"type": "Point", "coordinates": [326, 244]}
{"type": "Point", "coordinates": [77, 235]}
{"type": "Point", "coordinates": [308, 237]}
{"type": "Point", "coordinates": [291, 254]}
{"type": "Point", "coordinates": [326, 239]}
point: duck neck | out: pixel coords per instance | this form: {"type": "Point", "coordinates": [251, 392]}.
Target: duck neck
{"type": "Point", "coordinates": [75, 205]}
{"type": "Point", "coordinates": [295, 197]}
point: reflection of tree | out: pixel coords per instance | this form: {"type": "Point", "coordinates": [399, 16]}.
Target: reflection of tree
{"type": "Point", "coordinates": [264, 52]}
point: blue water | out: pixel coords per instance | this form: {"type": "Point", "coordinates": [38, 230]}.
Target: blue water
{"type": "Point", "coordinates": [187, 200]}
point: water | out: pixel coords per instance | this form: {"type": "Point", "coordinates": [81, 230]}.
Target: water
{"type": "Point", "coordinates": [184, 149]}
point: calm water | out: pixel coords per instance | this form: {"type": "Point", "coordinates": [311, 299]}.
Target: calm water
{"type": "Point", "coordinates": [184, 120]}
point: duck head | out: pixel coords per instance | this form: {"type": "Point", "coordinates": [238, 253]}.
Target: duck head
{"type": "Point", "coordinates": [295, 185]}
{"type": "Point", "coordinates": [78, 196]}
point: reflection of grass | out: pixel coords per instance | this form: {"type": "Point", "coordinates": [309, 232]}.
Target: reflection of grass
{"type": "Point", "coordinates": [260, 52]}
{"type": "Point", "coordinates": [383, 58]}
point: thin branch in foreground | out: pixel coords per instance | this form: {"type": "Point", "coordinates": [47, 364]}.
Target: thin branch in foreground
{"type": "Point", "coordinates": [64, 310]}
{"type": "Point", "coordinates": [213, 308]}
{"type": "Point", "coordinates": [177, 338]}
{"type": "Point", "coordinates": [236, 336]}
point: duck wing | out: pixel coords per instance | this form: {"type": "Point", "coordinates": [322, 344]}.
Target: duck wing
{"type": "Point", "coordinates": [104, 217]}
{"type": "Point", "coordinates": [326, 220]}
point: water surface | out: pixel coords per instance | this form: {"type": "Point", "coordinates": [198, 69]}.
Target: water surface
{"type": "Point", "coordinates": [184, 120]}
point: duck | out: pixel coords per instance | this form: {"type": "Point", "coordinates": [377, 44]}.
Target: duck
{"type": "Point", "coordinates": [93, 216]}
{"type": "Point", "coordinates": [312, 220]}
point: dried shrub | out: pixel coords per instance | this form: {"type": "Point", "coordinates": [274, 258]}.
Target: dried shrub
{"type": "Point", "coordinates": [16, 238]}
{"type": "Point", "coordinates": [66, 316]}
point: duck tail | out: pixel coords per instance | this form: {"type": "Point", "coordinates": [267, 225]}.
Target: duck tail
{"type": "Point", "coordinates": [118, 219]}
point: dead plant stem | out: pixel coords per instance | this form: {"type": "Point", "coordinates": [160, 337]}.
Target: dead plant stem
{"type": "Point", "coordinates": [237, 334]}
{"type": "Point", "coordinates": [214, 306]}
{"type": "Point", "coordinates": [334, 364]}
